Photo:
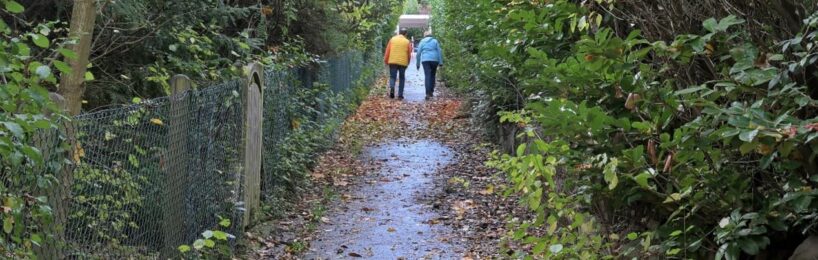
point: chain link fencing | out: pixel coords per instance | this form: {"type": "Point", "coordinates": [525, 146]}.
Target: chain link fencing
{"type": "Point", "coordinates": [152, 176]}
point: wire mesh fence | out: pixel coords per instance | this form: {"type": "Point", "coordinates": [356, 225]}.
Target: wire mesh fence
{"type": "Point", "coordinates": [321, 113]}
{"type": "Point", "coordinates": [149, 177]}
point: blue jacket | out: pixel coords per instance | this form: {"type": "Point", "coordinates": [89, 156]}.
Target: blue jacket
{"type": "Point", "coordinates": [429, 50]}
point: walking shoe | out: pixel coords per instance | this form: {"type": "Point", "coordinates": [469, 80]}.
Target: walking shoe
{"type": "Point", "coordinates": [400, 98]}
{"type": "Point", "coordinates": [428, 97]}
{"type": "Point", "coordinates": [392, 95]}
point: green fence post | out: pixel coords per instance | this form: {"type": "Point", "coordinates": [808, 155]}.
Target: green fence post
{"type": "Point", "coordinates": [176, 169]}
{"type": "Point", "coordinates": [253, 104]}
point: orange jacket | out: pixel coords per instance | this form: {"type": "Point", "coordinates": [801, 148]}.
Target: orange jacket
{"type": "Point", "coordinates": [398, 51]}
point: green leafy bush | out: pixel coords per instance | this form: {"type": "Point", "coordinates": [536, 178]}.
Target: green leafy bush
{"type": "Point", "coordinates": [696, 146]}
{"type": "Point", "coordinates": [29, 60]}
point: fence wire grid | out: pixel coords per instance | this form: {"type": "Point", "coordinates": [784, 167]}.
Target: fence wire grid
{"type": "Point", "coordinates": [160, 172]}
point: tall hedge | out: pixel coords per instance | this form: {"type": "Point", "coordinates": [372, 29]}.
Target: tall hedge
{"type": "Point", "coordinates": [667, 129]}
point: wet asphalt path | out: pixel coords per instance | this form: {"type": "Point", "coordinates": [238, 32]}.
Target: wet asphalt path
{"type": "Point", "coordinates": [383, 218]}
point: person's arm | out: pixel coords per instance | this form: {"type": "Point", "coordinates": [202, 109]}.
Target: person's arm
{"type": "Point", "coordinates": [440, 53]}
{"type": "Point", "coordinates": [386, 54]}
{"type": "Point", "coordinates": [420, 53]}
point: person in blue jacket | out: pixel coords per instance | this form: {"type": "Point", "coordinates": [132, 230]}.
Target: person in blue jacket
{"type": "Point", "coordinates": [431, 56]}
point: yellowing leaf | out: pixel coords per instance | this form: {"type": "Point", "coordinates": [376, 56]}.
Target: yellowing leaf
{"type": "Point", "coordinates": [488, 191]}
{"type": "Point", "coordinates": [157, 121]}
{"type": "Point", "coordinates": [79, 152]}
{"type": "Point", "coordinates": [673, 198]}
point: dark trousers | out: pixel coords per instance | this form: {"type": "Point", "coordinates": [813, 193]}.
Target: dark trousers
{"type": "Point", "coordinates": [394, 71]}
{"type": "Point", "coordinates": [430, 69]}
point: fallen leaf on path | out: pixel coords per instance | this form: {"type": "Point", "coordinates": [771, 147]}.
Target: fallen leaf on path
{"type": "Point", "coordinates": [460, 207]}
{"type": "Point", "coordinates": [353, 254]}
{"type": "Point", "coordinates": [391, 229]}
{"type": "Point", "coordinates": [488, 191]}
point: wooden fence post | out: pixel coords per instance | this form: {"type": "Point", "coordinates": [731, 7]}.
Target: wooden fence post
{"type": "Point", "coordinates": [252, 102]}
{"type": "Point", "coordinates": [176, 167]}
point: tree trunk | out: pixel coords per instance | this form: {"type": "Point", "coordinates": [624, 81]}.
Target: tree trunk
{"type": "Point", "coordinates": [72, 86]}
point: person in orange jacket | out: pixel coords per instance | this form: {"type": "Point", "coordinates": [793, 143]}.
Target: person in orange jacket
{"type": "Point", "coordinates": [397, 57]}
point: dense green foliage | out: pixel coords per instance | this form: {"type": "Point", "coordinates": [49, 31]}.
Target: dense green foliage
{"type": "Point", "coordinates": [139, 44]}
{"type": "Point", "coordinates": [648, 131]}
{"type": "Point", "coordinates": [28, 62]}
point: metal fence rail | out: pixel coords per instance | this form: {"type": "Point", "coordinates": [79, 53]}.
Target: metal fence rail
{"type": "Point", "coordinates": [149, 177]}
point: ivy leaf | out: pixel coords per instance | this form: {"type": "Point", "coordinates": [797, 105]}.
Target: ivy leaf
{"type": "Point", "coordinates": [224, 222]}
{"type": "Point", "coordinates": [198, 244]}
{"type": "Point", "coordinates": [210, 243]}
{"type": "Point", "coordinates": [184, 248]}
{"type": "Point", "coordinates": [220, 235]}
{"type": "Point", "coordinates": [14, 7]}
{"type": "Point", "coordinates": [207, 234]}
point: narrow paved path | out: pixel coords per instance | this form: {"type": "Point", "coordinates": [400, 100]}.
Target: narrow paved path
{"type": "Point", "coordinates": [385, 215]}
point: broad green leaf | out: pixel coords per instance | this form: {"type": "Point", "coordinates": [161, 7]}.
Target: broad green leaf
{"type": "Point", "coordinates": [748, 135]}
{"type": "Point", "coordinates": [198, 244]}
{"type": "Point", "coordinates": [210, 243]}
{"type": "Point", "coordinates": [67, 53]}
{"type": "Point", "coordinates": [748, 147]}
{"type": "Point", "coordinates": [23, 49]}
{"type": "Point", "coordinates": [642, 179]}
{"type": "Point", "coordinates": [207, 234]}
{"type": "Point", "coordinates": [749, 246]}
{"type": "Point", "coordinates": [36, 239]}
{"type": "Point", "coordinates": [89, 76]}
{"type": "Point", "coordinates": [728, 21]}
{"type": "Point", "coordinates": [224, 222]}
{"type": "Point", "coordinates": [220, 235]}
{"type": "Point", "coordinates": [8, 224]}
{"type": "Point", "coordinates": [14, 7]}
{"type": "Point", "coordinates": [710, 24]}
{"type": "Point", "coordinates": [184, 248]}
{"type": "Point", "coordinates": [15, 129]}
{"type": "Point", "coordinates": [62, 67]}
{"type": "Point", "coordinates": [40, 40]}
{"type": "Point", "coordinates": [33, 154]}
